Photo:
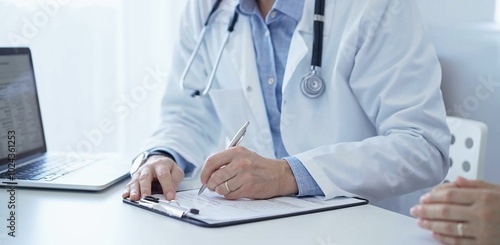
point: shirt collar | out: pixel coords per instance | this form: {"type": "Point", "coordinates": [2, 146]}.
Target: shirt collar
{"type": "Point", "coordinates": [292, 8]}
{"type": "Point", "coordinates": [247, 7]}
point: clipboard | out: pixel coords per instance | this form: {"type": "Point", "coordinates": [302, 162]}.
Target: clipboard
{"type": "Point", "coordinates": [212, 210]}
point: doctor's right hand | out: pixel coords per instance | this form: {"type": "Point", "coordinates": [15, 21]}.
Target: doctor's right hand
{"type": "Point", "coordinates": [156, 169]}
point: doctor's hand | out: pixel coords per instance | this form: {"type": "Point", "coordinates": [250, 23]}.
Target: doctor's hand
{"type": "Point", "coordinates": [239, 173]}
{"type": "Point", "coordinates": [157, 169]}
{"type": "Point", "coordinates": [462, 212]}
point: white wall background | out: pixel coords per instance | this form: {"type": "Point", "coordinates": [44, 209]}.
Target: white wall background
{"type": "Point", "coordinates": [466, 34]}
{"type": "Point", "coordinates": [457, 11]}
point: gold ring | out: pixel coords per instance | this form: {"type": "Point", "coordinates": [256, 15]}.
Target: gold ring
{"type": "Point", "coordinates": [459, 228]}
{"type": "Point", "coordinates": [227, 187]}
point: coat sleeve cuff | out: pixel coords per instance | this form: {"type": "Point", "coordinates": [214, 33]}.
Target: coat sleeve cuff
{"type": "Point", "coordinates": [305, 182]}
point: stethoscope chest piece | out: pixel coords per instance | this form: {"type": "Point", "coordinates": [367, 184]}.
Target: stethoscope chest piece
{"type": "Point", "coordinates": [312, 85]}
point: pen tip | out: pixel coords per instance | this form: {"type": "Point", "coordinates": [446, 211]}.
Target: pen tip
{"type": "Point", "coordinates": [202, 188]}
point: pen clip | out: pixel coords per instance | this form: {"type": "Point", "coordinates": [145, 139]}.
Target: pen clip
{"type": "Point", "coordinates": [241, 138]}
{"type": "Point", "coordinates": [239, 135]}
{"type": "Point", "coordinates": [151, 199]}
{"type": "Point", "coordinates": [169, 210]}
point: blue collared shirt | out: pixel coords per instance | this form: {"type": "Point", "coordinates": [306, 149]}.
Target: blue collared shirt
{"type": "Point", "coordinates": [271, 38]}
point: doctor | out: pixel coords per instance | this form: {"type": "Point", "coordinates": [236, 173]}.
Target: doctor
{"type": "Point", "coordinates": [363, 116]}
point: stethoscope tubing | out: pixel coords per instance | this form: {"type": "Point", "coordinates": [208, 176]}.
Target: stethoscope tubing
{"type": "Point", "coordinates": [312, 77]}
{"type": "Point", "coordinates": [230, 30]}
{"type": "Point", "coordinates": [319, 13]}
{"type": "Point", "coordinates": [199, 41]}
{"type": "Point", "coordinates": [193, 56]}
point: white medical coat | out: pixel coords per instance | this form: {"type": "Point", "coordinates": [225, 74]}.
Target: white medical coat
{"type": "Point", "coordinates": [378, 130]}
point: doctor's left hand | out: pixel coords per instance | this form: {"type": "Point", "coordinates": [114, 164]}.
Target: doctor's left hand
{"type": "Point", "coordinates": [239, 173]}
{"type": "Point", "coordinates": [157, 169]}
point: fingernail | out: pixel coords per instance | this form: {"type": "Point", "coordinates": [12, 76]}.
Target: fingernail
{"type": "Point", "coordinates": [170, 196]}
{"type": "Point", "coordinates": [420, 222]}
{"type": "Point", "coordinates": [414, 210]}
{"type": "Point", "coordinates": [425, 197]}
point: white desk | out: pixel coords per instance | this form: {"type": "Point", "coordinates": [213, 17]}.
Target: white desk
{"type": "Point", "coordinates": [63, 217]}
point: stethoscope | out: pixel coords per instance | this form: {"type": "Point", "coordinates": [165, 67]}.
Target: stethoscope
{"type": "Point", "coordinates": [312, 85]}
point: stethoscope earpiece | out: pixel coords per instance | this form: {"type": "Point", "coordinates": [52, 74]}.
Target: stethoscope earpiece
{"type": "Point", "coordinates": [195, 93]}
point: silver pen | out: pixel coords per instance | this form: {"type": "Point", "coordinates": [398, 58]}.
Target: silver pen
{"type": "Point", "coordinates": [234, 142]}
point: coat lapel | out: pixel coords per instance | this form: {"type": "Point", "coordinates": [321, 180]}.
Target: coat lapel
{"type": "Point", "coordinates": [298, 46]}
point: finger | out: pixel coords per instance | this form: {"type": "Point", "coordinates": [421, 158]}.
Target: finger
{"type": "Point", "coordinates": [165, 178]}
{"type": "Point", "coordinates": [145, 179]}
{"type": "Point", "coordinates": [223, 188]}
{"type": "Point", "coordinates": [237, 193]}
{"type": "Point", "coordinates": [134, 190]}
{"type": "Point", "coordinates": [452, 240]}
{"type": "Point", "coordinates": [220, 176]}
{"type": "Point", "coordinates": [448, 212]}
{"type": "Point", "coordinates": [444, 186]}
{"type": "Point", "coordinates": [213, 163]}
{"type": "Point", "coordinates": [126, 191]}
{"type": "Point", "coordinates": [177, 176]}
{"type": "Point", "coordinates": [463, 182]}
{"type": "Point", "coordinates": [451, 195]}
{"type": "Point", "coordinates": [445, 227]}
{"type": "Point", "coordinates": [228, 186]}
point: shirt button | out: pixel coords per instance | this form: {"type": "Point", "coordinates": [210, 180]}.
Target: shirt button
{"type": "Point", "coordinates": [266, 34]}
{"type": "Point", "coordinates": [249, 89]}
{"type": "Point", "coordinates": [270, 81]}
{"type": "Point", "coordinates": [273, 14]}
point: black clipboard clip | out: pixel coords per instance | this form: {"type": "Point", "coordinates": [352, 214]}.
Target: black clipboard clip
{"type": "Point", "coordinates": [172, 208]}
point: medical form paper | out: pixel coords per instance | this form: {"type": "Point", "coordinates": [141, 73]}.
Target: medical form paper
{"type": "Point", "coordinates": [215, 211]}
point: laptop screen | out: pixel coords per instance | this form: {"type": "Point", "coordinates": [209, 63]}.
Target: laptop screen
{"type": "Point", "coordinates": [19, 110]}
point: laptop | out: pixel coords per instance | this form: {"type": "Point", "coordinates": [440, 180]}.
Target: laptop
{"type": "Point", "coordinates": [24, 159]}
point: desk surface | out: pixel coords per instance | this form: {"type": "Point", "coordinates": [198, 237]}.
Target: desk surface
{"type": "Point", "coordinates": [64, 217]}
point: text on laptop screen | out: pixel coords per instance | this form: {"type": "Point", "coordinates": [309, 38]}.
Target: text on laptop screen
{"type": "Point", "coordinates": [19, 110]}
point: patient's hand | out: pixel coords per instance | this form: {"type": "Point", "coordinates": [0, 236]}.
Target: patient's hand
{"type": "Point", "coordinates": [469, 207]}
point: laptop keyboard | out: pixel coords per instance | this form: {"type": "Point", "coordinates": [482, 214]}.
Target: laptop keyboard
{"type": "Point", "coordinates": [47, 169]}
